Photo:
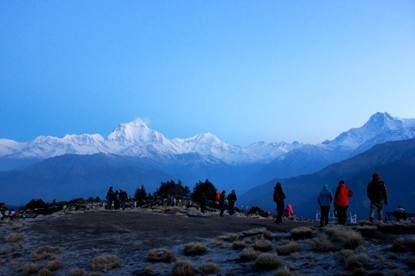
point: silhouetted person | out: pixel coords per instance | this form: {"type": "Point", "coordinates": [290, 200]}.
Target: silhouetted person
{"type": "Point", "coordinates": [279, 197]}
{"type": "Point", "coordinates": [324, 200]}
{"type": "Point", "coordinates": [222, 202]}
{"type": "Point", "coordinates": [231, 202]}
{"type": "Point", "coordinates": [376, 192]}
{"type": "Point", "coordinates": [123, 198]}
{"type": "Point", "coordinates": [203, 203]}
{"type": "Point", "coordinates": [341, 202]}
{"type": "Point", "coordinates": [400, 213]}
{"type": "Point", "coordinates": [110, 198]}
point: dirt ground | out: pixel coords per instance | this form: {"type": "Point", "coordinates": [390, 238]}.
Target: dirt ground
{"type": "Point", "coordinates": [128, 234]}
{"type": "Point", "coordinates": [76, 239]}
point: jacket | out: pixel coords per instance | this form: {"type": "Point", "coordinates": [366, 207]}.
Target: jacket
{"type": "Point", "coordinates": [326, 197]}
{"type": "Point", "coordinates": [376, 191]}
{"type": "Point", "coordinates": [342, 195]}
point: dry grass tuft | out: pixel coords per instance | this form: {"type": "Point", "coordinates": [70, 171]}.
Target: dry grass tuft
{"type": "Point", "coordinates": [254, 232]}
{"type": "Point", "coordinates": [404, 244]}
{"type": "Point", "coordinates": [209, 268]}
{"type": "Point", "coordinates": [268, 261]}
{"type": "Point", "coordinates": [367, 230]}
{"type": "Point", "coordinates": [321, 244]}
{"type": "Point", "coordinates": [357, 261]}
{"type": "Point", "coordinates": [302, 233]}
{"type": "Point", "coordinates": [44, 252]}
{"type": "Point", "coordinates": [195, 249]}
{"type": "Point", "coordinates": [30, 269]}
{"type": "Point", "coordinates": [54, 265]}
{"type": "Point", "coordinates": [238, 245]}
{"type": "Point", "coordinates": [160, 255]}
{"type": "Point", "coordinates": [78, 272]}
{"type": "Point", "coordinates": [285, 271]}
{"type": "Point", "coordinates": [14, 237]}
{"type": "Point", "coordinates": [248, 254]}
{"type": "Point", "coordinates": [267, 235]}
{"type": "Point", "coordinates": [288, 248]}
{"type": "Point", "coordinates": [228, 237]}
{"type": "Point", "coordinates": [358, 272]}
{"type": "Point", "coordinates": [346, 238]}
{"type": "Point", "coordinates": [148, 271]}
{"type": "Point", "coordinates": [106, 262]}
{"type": "Point", "coordinates": [45, 272]}
{"type": "Point", "coordinates": [262, 245]}
{"type": "Point", "coordinates": [410, 262]}
{"type": "Point", "coordinates": [183, 268]}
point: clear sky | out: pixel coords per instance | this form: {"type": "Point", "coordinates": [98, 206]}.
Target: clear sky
{"type": "Point", "coordinates": [243, 70]}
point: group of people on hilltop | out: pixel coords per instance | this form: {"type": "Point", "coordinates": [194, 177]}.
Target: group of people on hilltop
{"type": "Point", "coordinates": [376, 192]}
{"type": "Point", "coordinates": [221, 198]}
{"type": "Point", "coordinates": [117, 199]}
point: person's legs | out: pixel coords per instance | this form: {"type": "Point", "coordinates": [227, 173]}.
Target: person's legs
{"type": "Point", "coordinates": [372, 211]}
{"type": "Point", "coordinates": [380, 212]}
{"type": "Point", "coordinates": [326, 214]}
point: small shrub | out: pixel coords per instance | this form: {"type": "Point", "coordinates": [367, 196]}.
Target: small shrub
{"type": "Point", "coordinates": [195, 249]}
{"type": "Point", "coordinates": [106, 262]}
{"type": "Point", "coordinates": [268, 261]}
{"type": "Point", "coordinates": [54, 265]}
{"type": "Point", "coordinates": [160, 255]}
{"type": "Point", "coordinates": [253, 232]}
{"type": "Point", "coordinates": [209, 268]}
{"type": "Point", "coordinates": [30, 269]}
{"type": "Point", "coordinates": [404, 244]}
{"type": "Point", "coordinates": [287, 249]}
{"type": "Point", "coordinates": [410, 262]}
{"type": "Point", "coordinates": [148, 271]}
{"type": "Point", "coordinates": [302, 233]}
{"type": "Point", "coordinates": [248, 254]}
{"type": "Point", "coordinates": [183, 268]}
{"type": "Point", "coordinates": [78, 272]}
{"type": "Point", "coordinates": [267, 235]}
{"type": "Point", "coordinates": [45, 272]}
{"type": "Point", "coordinates": [321, 244]}
{"type": "Point", "coordinates": [14, 237]}
{"type": "Point", "coordinates": [285, 271]}
{"type": "Point", "coordinates": [367, 230]}
{"type": "Point", "coordinates": [44, 252]}
{"type": "Point", "coordinates": [237, 245]}
{"type": "Point", "coordinates": [359, 272]}
{"type": "Point", "coordinates": [357, 261]}
{"type": "Point", "coordinates": [347, 238]}
{"type": "Point", "coordinates": [262, 245]}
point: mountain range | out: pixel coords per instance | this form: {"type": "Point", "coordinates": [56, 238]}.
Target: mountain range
{"type": "Point", "coordinates": [395, 161]}
{"type": "Point", "coordinates": [133, 154]}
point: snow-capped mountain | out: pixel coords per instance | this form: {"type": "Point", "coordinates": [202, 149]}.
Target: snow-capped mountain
{"type": "Point", "coordinates": [380, 128]}
{"type": "Point", "coordinates": [137, 139]}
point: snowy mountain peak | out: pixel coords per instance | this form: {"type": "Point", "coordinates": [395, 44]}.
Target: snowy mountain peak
{"type": "Point", "coordinates": [383, 120]}
{"type": "Point", "coordinates": [134, 131]}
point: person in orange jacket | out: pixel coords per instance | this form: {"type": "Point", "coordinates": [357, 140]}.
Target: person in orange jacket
{"type": "Point", "coordinates": [341, 202]}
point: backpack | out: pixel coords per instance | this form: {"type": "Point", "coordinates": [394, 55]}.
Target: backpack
{"type": "Point", "coordinates": [218, 196]}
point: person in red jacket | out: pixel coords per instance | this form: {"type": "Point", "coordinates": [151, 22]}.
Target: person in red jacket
{"type": "Point", "coordinates": [341, 202]}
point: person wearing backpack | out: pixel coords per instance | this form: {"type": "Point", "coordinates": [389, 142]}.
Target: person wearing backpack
{"type": "Point", "coordinates": [324, 200]}
{"type": "Point", "coordinates": [222, 199]}
{"type": "Point", "coordinates": [231, 202]}
{"type": "Point", "coordinates": [376, 192]}
{"type": "Point", "coordinates": [341, 202]}
{"type": "Point", "coordinates": [279, 197]}
{"type": "Point", "coordinates": [110, 197]}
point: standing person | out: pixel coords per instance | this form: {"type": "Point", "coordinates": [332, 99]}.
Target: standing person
{"type": "Point", "coordinates": [279, 197]}
{"type": "Point", "coordinates": [203, 203]}
{"type": "Point", "coordinates": [324, 200]}
{"type": "Point", "coordinates": [341, 201]}
{"type": "Point", "coordinates": [110, 197]}
{"type": "Point", "coordinates": [222, 202]}
{"type": "Point", "coordinates": [116, 200]}
{"type": "Point", "coordinates": [123, 198]}
{"type": "Point", "coordinates": [231, 202]}
{"type": "Point", "coordinates": [376, 192]}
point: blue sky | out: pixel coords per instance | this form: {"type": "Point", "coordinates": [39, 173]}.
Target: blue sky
{"type": "Point", "coordinates": [243, 70]}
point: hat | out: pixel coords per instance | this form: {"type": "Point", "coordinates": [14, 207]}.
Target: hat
{"type": "Point", "coordinates": [376, 176]}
